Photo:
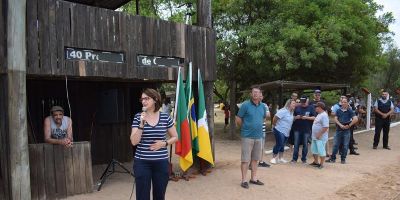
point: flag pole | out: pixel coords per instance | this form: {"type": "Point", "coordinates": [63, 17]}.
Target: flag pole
{"type": "Point", "coordinates": [174, 118]}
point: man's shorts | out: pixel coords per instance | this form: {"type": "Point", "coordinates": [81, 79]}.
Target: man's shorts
{"type": "Point", "coordinates": [251, 149]}
{"type": "Point", "coordinates": [318, 147]}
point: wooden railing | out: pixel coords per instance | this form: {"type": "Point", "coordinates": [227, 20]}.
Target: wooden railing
{"type": "Point", "coordinates": [59, 172]}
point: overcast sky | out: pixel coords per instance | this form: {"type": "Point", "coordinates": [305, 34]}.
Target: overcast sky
{"type": "Point", "coordinates": [394, 7]}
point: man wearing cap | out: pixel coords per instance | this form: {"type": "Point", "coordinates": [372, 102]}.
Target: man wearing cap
{"type": "Point", "coordinates": [383, 108]}
{"type": "Point", "coordinates": [58, 128]}
{"type": "Point", "coordinates": [319, 135]}
{"type": "Point", "coordinates": [304, 115]}
{"type": "Point", "coordinates": [317, 98]}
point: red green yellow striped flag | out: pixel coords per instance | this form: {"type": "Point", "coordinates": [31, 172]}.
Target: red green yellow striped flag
{"type": "Point", "coordinates": [183, 146]}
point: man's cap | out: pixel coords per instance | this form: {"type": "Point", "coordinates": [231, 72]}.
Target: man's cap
{"type": "Point", "coordinates": [303, 99]}
{"type": "Point", "coordinates": [320, 104]}
{"type": "Point", "coordinates": [56, 108]}
{"type": "Point", "coordinates": [317, 91]}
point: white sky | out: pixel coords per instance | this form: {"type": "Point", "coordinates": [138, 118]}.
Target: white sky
{"type": "Point", "coordinates": [394, 7]}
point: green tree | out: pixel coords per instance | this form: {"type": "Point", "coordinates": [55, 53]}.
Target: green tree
{"type": "Point", "coordinates": [318, 41]}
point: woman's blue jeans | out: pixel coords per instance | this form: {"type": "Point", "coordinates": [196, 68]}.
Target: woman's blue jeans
{"type": "Point", "coordinates": [281, 140]}
{"type": "Point", "coordinates": [150, 173]}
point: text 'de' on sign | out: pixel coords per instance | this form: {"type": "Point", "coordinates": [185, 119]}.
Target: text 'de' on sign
{"type": "Point", "coordinates": [93, 55]}
{"type": "Point", "coordinates": [159, 61]}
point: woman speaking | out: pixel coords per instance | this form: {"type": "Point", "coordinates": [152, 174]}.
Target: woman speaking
{"type": "Point", "coordinates": [149, 134]}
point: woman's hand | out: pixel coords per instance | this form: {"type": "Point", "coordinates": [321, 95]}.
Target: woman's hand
{"type": "Point", "coordinates": [158, 144]}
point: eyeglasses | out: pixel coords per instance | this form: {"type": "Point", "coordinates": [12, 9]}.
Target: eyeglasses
{"type": "Point", "coordinates": [144, 99]}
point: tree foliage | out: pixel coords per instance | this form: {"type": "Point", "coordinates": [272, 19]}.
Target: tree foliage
{"type": "Point", "coordinates": [170, 10]}
{"type": "Point", "coordinates": [319, 41]}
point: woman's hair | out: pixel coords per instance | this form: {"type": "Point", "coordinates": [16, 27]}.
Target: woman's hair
{"type": "Point", "coordinates": [288, 102]}
{"type": "Point", "coordinates": [155, 96]}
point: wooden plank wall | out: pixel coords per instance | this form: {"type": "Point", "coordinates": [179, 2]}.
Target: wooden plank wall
{"type": "Point", "coordinates": [2, 38]}
{"type": "Point", "coordinates": [63, 24]}
{"type": "Point", "coordinates": [58, 172]}
{"type": "Point", "coordinates": [4, 151]}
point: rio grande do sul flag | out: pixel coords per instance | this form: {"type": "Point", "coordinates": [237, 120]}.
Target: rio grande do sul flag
{"type": "Point", "coordinates": [202, 126]}
{"type": "Point", "coordinates": [183, 146]}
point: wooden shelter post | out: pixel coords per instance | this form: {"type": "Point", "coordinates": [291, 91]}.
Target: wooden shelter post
{"type": "Point", "coordinates": [204, 20]}
{"type": "Point", "coordinates": [16, 118]}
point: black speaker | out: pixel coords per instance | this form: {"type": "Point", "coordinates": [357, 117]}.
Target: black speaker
{"type": "Point", "coordinates": [108, 106]}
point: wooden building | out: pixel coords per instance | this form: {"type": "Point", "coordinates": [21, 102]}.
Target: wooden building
{"type": "Point", "coordinates": [94, 62]}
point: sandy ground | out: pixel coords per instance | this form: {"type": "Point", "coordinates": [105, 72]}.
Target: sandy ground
{"type": "Point", "coordinates": [375, 174]}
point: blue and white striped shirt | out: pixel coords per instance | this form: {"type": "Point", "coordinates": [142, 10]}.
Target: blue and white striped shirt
{"type": "Point", "coordinates": [151, 134]}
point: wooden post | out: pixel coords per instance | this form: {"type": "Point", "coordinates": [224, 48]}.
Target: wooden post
{"type": "Point", "coordinates": [204, 13]}
{"type": "Point", "coordinates": [204, 20]}
{"type": "Point", "coordinates": [17, 144]}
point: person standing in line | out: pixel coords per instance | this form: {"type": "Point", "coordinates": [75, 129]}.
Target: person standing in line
{"type": "Point", "coordinates": [295, 97]}
{"type": "Point", "coordinates": [304, 116]}
{"type": "Point", "coordinates": [250, 118]}
{"type": "Point", "coordinates": [166, 106]}
{"type": "Point", "coordinates": [317, 98]}
{"type": "Point", "coordinates": [383, 108]}
{"type": "Point", "coordinates": [149, 134]}
{"type": "Point", "coordinates": [282, 123]}
{"type": "Point", "coordinates": [227, 114]}
{"type": "Point", "coordinates": [352, 142]}
{"type": "Point", "coordinates": [264, 130]}
{"type": "Point", "coordinates": [319, 136]}
{"type": "Point", "coordinates": [344, 119]}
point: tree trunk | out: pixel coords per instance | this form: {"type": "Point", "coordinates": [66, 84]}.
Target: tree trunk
{"type": "Point", "coordinates": [232, 100]}
{"type": "Point", "coordinates": [19, 173]}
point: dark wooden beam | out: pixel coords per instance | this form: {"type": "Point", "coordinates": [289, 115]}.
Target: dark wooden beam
{"type": "Point", "coordinates": [204, 13]}
{"type": "Point", "coordinates": [17, 144]}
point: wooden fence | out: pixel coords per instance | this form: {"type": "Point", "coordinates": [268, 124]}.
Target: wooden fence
{"type": "Point", "coordinates": [59, 172]}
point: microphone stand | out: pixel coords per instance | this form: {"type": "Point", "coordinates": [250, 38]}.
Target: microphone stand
{"type": "Point", "coordinates": [111, 168]}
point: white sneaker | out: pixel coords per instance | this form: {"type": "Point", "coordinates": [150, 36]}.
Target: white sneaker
{"type": "Point", "coordinates": [283, 161]}
{"type": "Point", "coordinates": [273, 161]}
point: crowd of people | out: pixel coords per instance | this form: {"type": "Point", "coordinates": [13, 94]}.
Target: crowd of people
{"type": "Point", "coordinates": [306, 122]}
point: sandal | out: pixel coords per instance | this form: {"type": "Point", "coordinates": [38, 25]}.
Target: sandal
{"type": "Point", "coordinates": [257, 182]}
{"type": "Point", "coordinates": [244, 185]}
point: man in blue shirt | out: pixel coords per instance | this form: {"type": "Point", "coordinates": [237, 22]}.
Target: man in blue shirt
{"type": "Point", "coordinates": [304, 116]}
{"type": "Point", "coordinates": [250, 118]}
{"type": "Point", "coordinates": [344, 119]}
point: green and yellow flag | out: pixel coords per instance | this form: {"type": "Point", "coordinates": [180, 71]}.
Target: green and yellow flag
{"type": "Point", "coordinates": [202, 131]}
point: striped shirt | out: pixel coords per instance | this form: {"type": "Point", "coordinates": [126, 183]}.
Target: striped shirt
{"type": "Point", "coordinates": [151, 134]}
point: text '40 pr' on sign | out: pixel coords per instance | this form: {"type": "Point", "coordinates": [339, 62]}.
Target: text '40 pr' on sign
{"type": "Point", "coordinates": [93, 55]}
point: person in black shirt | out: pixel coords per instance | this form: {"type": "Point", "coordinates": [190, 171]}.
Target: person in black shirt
{"type": "Point", "coordinates": [383, 108]}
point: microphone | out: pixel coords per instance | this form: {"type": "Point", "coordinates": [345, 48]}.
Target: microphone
{"type": "Point", "coordinates": [144, 109]}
